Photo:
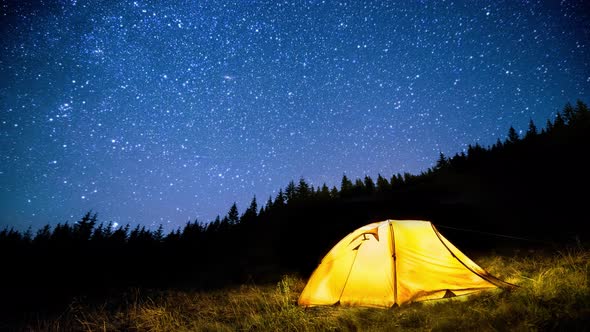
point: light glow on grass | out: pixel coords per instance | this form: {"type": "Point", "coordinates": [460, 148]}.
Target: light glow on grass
{"type": "Point", "coordinates": [554, 293]}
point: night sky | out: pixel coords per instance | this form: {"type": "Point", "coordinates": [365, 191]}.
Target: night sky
{"type": "Point", "coordinates": [160, 113]}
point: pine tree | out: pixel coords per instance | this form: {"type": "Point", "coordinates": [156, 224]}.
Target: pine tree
{"type": "Point", "coordinates": [159, 234]}
{"type": "Point", "coordinates": [512, 135]}
{"type": "Point", "coordinates": [302, 191]}
{"type": "Point", "coordinates": [345, 185]}
{"type": "Point", "coordinates": [396, 179]}
{"type": "Point", "coordinates": [334, 192]}
{"type": "Point", "coordinates": [369, 185]}
{"type": "Point", "coordinates": [382, 184]}
{"type": "Point", "coordinates": [98, 234]}
{"type": "Point", "coordinates": [393, 181]}
{"type": "Point", "coordinates": [233, 217]}
{"type": "Point", "coordinates": [224, 225]}
{"type": "Point", "coordinates": [134, 235]}
{"type": "Point", "coordinates": [62, 233]}
{"type": "Point", "coordinates": [43, 235]}
{"type": "Point", "coordinates": [253, 208]}
{"type": "Point", "coordinates": [28, 235]}
{"type": "Point", "coordinates": [192, 230]}
{"type": "Point", "coordinates": [532, 131]}
{"type": "Point", "coordinates": [559, 121]}
{"type": "Point", "coordinates": [173, 237]}
{"type": "Point", "coordinates": [498, 144]}
{"type": "Point", "coordinates": [581, 107]}
{"type": "Point", "coordinates": [442, 161]}
{"type": "Point", "coordinates": [549, 126]}
{"type": "Point", "coordinates": [477, 151]}
{"type": "Point", "coordinates": [408, 177]}
{"type": "Point", "coordinates": [324, 192]}
{"type": "Point", "coordinates": [568, 113]}
{"type": "Point", "coordinates": [251, 212]}
{"type": "Point", "coordinates": [83, 228]}
{"type": "Point", "coordinates": [120, 235]}
{"type": "Point", "coordinates": [582, 112]}
{"type": "Point", "coordinates": [290, 191]}
{"type": "Point", "coordinates": [358, 187]}
{"type": "Point", "coordinates": [280, 200]}
{"type": "Point", "coordinates": [214, 226]}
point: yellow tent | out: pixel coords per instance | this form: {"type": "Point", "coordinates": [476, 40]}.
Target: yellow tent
{"type": "Point", "coordinates": [394, 262]}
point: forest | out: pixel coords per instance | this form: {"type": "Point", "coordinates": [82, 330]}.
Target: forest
{"type": "Point", "coordinates": [527, 191]}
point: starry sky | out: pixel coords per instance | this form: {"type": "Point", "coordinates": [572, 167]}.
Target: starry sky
{"type": "Point", "coordinates": [160, 112]}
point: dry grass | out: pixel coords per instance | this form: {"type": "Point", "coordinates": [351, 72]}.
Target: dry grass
{"type": "Point", "coordinates": [554, 294]}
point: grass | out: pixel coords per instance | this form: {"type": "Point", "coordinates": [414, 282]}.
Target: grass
{"type": "Point", "coordinates": [554, 294]}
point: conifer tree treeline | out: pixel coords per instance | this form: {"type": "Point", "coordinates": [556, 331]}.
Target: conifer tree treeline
{"type": "Point", "coordinates": [520, 186]}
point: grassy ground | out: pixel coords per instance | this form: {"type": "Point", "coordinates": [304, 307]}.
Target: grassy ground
{"type": "Point", "coordinates": [554, 294]}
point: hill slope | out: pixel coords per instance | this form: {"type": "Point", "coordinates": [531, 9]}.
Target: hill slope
{"type": "Point", "coordinates": [531, 187]}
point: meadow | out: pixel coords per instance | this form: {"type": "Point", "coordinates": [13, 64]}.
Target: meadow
{"type": "Point", "coordinates": [244, 271]}
{"type": "Point", "coordinates": [553, 294]}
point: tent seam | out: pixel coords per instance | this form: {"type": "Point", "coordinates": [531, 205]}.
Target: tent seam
{"type": "Point", "coordinates": [394, 255]}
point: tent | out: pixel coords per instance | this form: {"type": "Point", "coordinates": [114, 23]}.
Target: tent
{"type": "Point", "coordinates": [391, 263]}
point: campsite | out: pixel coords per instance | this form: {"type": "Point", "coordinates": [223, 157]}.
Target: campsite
{"type": "Point", "coordinates": [249, 271]}
{"type": "Point", "coordinates": [294, 165]}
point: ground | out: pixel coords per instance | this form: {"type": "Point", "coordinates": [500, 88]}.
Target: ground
{"type": "Point", "coordinates": [553, 294]}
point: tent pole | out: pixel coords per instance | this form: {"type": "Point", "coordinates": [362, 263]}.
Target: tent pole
{"type": "Point", "coordinates": [394, 263]}
{"type": "Point", "coordinates": [349, 271]}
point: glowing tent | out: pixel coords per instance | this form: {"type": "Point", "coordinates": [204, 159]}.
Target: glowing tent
{"type": "Point", "coordinates": [394, 262]}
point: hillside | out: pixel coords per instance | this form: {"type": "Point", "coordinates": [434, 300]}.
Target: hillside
{"type": "Point", "coordinates": [528, 187]}
{"type": "Point", "coordinates": [554, 295]}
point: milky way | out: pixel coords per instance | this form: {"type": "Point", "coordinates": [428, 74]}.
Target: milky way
{"type": "Point", "coordinates": [161, 113]}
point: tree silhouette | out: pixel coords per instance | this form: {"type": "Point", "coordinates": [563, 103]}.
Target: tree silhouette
{"type": "Point", "coordinates": [83, 228]}
{"type": "Point", "coordinates": [469, 191]}
{"type": "Point", "coordinates": [269, 203]}
{"type": "Point", "coordinates": [559, 121]}
{"type": "Point", "coordinates": [173, 237]}
{"type": "Point", "coordinates": [549, 126]}
{"type": "Point", "coordinates": [251, 212]}
{"type": "Point", "coordinates": [345, 185]}
{"type": "Point", "coordinates": [120, 235]}
{"type": "Point", "coordinates": [382, 184]}
{"type": "Point", "coordinates": [568, 113]}
{"type": "Point", "coordinates": [159, 234]}
{"type": "Point", "coordinates": [98, 234]}
{"type": "Point", "coordinates": [358, 188]}
{"type": "Point", "coordinates": [43, 235]}
{"type": "Point", "coordinates": [225, 225]}
{"type": "Point", "coordinates": [324, 192]}
{"type": "Point", "coordinates": [442, 161]}
{"type": "Point", "coordinates": [512, 136]}
{"type": "Point", "coordinates": [233, 217]}
{"type": "Point", "coordinates": [280, 200]}
{"type": "Point", "coordinates": [582, 113]}
{"type": "Point", "coordinates": [214, 226]}
{"type": "Point", "coordinates": [334, 192]}
{"type": "Point", "coordinates": [192, 231]}
{"type": "Point", "coordinates": [62, 233]}
{"type": "Point", "coordinates": [532, 131]}
{"type": "Point", "coordinates": [369, 185]}
{"type": "Point", "coordinates": [108, 230]}
{"type": "Point", "coordinates": [302, 190]}
{"type": "Point", "coordinates": [290, 191]}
